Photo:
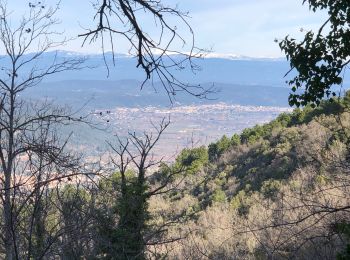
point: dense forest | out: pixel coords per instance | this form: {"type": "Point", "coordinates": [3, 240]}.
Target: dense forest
{"type": "Point", "coordinates": [275, 191]}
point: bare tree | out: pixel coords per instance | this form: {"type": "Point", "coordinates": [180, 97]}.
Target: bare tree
{"type": "Point", "coordinates": [33, 156]}
{"type": "Point", "coordinates": [133, 234]}
{"type": "Point", "coordinates": [160, 52]}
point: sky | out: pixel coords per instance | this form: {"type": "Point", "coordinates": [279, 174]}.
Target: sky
{"type": "Point", "coordinates": [238, 27]}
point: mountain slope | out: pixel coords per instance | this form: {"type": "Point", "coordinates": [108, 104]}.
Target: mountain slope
{"type": "Point", "coordinates": [280, 190]}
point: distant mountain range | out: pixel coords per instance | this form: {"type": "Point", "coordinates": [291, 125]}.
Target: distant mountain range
{"type": "Point", "coordinates": [215, 68]}
{"type": "Point", "coordinates": [241, 80]}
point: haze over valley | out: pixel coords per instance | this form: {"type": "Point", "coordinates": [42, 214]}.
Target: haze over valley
{"type": "Point", "coordinates": [247, 92]}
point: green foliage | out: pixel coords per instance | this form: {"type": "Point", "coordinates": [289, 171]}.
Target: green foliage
{"type": "Point", "coordinates": [74, 209]}
{"type": "Point", "coordinates": [269, 150]}
{"type": "Point", "coordinates": [284, 119]}
{"type": "Point", "coordinates": [192, 160]}
{"type": "Point", "coordinates": [252, 135]}
{"type": "Point", "coordinates": [308, 113]}
{"type": "Point", "coordinates": [129, 203]}
{"type": "Point", "coordinates": [219, 196]}
{"type": "Point", "coordinates": [270, 188]}
{"type": "Point", "coordinates": [346, 99]}
{"type": "Point", "coordinates": [221, 179]}
{"type": "Point", "coordinates": [259, 132]}
{"type": "Point", "coordinates": [241, 202]}
{"type": "Point", "coordinates": [322, 179]}
{"type": "Point", "coordinates": [113, 182]}
{"type": "Point", "coordinates": [321, 57]}
{"type": "Point", "coordinates": [235, 140]}
{"type": "Point", "coordinates": [215, 150]}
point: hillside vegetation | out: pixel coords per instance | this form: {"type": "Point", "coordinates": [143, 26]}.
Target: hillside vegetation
{"type": "Point", "coordinates": [276, 191]}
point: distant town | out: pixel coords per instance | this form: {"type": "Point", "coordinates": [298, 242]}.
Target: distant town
{"type": "Point", "coordinates": [191, 125]}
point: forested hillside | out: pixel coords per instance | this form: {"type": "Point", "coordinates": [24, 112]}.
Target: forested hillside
{"type": "Point", "coordinates": [276, 191]}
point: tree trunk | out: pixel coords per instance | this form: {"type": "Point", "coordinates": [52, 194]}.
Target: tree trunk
{"type": "Point", "coordinates": [9, 247]}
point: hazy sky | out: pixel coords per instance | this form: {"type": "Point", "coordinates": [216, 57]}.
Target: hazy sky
{"type": "Point", "coordinates": [242, 27]}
